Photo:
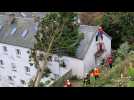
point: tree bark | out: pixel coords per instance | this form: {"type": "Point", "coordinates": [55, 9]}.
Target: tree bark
{"type": "Point", "coordinates": [41, 68]}
{"type": "Point", "coordinates": [39, 76]}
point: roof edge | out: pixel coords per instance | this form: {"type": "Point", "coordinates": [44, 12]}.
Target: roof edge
{"type": "Point", "coordinates": [107, 35]}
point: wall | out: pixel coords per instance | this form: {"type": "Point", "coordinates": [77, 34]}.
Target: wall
{"type": "Point", "coordinates": [107, 42]}
{"type": "Point", "coordinates": [89, 59]}
{"type": "Point", "coordinates": [56, 69]}
{"type": "Point", "coordinates": [76, 65]}
{"type": "Point", "coordinates": [19, 61]}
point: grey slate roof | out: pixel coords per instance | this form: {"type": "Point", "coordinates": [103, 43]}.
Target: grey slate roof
{"type": "Point", "coordinates": [16, 39]}
{"type": "Point", "coordinates": [28, 14]}
{"type": "Point", "coordinates": [89, 34]}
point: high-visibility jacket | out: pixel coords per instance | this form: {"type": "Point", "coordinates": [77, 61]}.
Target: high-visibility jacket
{"type": "Point", "coordinates": [96, 72]}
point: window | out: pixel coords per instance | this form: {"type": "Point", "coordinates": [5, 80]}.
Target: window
{"type": "Point", "coordinates": [22, 81]}
{"type": "Point", "coordinates": [1, 62]}
{"type": "Point", "coordinates": [24, 33]}
{"type": "Point", "coordinates": [13, 67]}
{"type": "Point", "coordinates": [27, 69]}
{"type": "Point", "coordinates": [13, 31]}
{"type": "Point", "coordinates": [18, 52]}
{"type": "Point", "coordinates": [23, 14]}
{"type": "Point", "coordinates": [10, 78]}
{"type": "Point", "coordinates": [5, 48]}
{"type": "Point", "coordinates": [49, 58]}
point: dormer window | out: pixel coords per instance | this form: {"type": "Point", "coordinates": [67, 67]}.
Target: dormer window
{"type": "Point", "coordinates": [13, 30]}
{"type": "Point", "coordinates": [24, 34]}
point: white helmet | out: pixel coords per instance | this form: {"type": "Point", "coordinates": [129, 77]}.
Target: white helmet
{"type": "Point", "coordinates": [100, 28]}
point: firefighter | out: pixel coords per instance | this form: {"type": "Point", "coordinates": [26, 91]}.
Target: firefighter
{"type": "Point", "coordinates": [96, 73]}
{"type": "Point", "coordinates": [110, 61]}
{"type": "Point", "coordinates": [100, 32]}
{"type": "Point", "coordinates": [86, 78]}
{"type": "Point", "coordinates": [67, 83]}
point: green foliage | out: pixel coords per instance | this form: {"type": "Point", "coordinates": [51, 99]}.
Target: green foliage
{"type": "Point", "coordinates": [123, 50]}
{"type": "Point", "coordinates": [119, 25]}
{"type": "Point", "coordinates": [46, 72]}
{"type": "Point", "coordinates": [130, 84]}
{"type": "Point", "coordinates": [131, 72]}
{"type": "Point", "coordinates": [41, 84]}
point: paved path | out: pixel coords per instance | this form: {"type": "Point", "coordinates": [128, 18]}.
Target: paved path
{"type": "Point", "coordinates": [76, 83]}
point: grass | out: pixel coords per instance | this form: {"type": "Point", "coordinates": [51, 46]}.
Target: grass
{"type": "Point", "coordinates": [130, 84]}
{"type": "Point", "coordinates": [131, 72]}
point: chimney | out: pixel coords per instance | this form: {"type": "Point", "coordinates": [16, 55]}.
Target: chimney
{"type": "Point", "coordinates": [12, 18]}
{"type": "Point", "coordinates": [23, 14]}
{"type": "Point", "coordinates": [36, 19]}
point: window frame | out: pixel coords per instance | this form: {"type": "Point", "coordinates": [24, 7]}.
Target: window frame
{"type": "Point", "coordinates": [27, 69]}
{"type": "Point", "coordinates": [5, 48]}
{"type": "Point", "coordinates": [1, 62]}
{"type": "Point", "coordinates": [18, 52]}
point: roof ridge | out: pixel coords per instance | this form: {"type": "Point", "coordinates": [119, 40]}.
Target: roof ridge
{"type": "Point", "coordinates": [26, 18]}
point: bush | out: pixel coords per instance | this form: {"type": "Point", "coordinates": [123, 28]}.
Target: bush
{"type": "Point", "coordinates": [130, 84]}
{"type": "Point", "coordinates": [46, 72]}
{"type": "Point", "coordinates": [41, 84]}
{"type": "Point", "coordinates": [131, 72]}
{"type": "Point", "coordinates": [119, 25]}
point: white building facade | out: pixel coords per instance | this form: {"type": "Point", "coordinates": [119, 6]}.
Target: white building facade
{"type": "Point", "coordinates": [15, 69]}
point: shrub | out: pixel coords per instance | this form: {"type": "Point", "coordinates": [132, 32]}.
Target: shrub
{"type": "Point", "coordinates": [41, 84]}
{"type": "Point", "coordinates": [46, 72]}
{"type": "Point", "coordinates": [131, 72]}
{"type": "Point", "coordinates": [130, 84]}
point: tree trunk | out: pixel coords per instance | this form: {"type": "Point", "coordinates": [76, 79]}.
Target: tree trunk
{"type": "Point", "coordinates": [40, 73]}
{"type": "Point", "coordinates": [40, 69]}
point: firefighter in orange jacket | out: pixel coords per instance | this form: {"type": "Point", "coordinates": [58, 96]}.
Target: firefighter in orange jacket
{"type": "Point", "coordinates": [96, 73]}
